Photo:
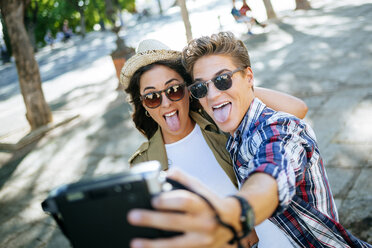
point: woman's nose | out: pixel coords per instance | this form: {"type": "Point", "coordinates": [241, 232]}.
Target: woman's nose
{"type": "Point", "coordinates": [165, 100]}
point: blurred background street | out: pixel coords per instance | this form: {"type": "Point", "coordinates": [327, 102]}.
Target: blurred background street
{"type": "Point", "coordinates": [322, 55]}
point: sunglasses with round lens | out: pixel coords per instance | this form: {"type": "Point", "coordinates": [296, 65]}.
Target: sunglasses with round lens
{"type": "Point", "coordinates": [174, 93]}
{"type": "Point", "coordinates": [222, 82]}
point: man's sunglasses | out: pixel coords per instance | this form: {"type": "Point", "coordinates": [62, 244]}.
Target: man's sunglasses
{"type": "Point", "coordinates": [174, 93]}
{"type": "Point", "coordinates": [199, 89]}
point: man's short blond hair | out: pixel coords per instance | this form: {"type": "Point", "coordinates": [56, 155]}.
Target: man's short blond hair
{"type": "Point", "coordinates": [223, 43]}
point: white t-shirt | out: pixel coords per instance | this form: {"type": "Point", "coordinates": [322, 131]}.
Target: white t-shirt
{"type": "Point", "coordinates": [193, 156]}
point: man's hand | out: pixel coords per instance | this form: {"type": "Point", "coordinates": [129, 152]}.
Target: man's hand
{"type": "Point", "coordinates": [186, 212]}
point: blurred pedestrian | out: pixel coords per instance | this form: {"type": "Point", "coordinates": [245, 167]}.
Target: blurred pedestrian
{"type": "Point", "coordinates": [244, 15]}
{"type": "Point", "coordinates": [67, 32]}
{"type": "Point", "coordinates": [48, 38]}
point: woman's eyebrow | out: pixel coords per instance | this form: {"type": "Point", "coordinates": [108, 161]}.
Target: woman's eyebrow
{"type": "Point", "coordinates": [170, 80]}
{"type": "Point", "coordinates": [148, 88]}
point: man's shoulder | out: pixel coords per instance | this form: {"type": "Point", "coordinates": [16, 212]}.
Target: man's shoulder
{"type": "Point", "coordinates": [280, 117]}
{"type": "Point", "coordinates": [270, 118]}
{"type": "Point", "coordinates": [276, 123]}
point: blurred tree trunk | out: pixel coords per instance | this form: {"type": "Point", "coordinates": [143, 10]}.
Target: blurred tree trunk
{"type": "Point", "coordinates": [31, 34]}
{"type": "Point", "coordinates": [110, 11]}
{"type": "Point", "coordinates": [160, 8]}
{"type": "Point", "coordinates": [82, 22]}
{"type": "Point", "coordinates": [31, 20]}
{"type": "Point", "coordinates": [37, 111]}
{"type": "Point", "coordinates": [302, 4]}
{"type": "Point", "coordinates": [122, 52]}
{"type": "Point", "coordinates": [81, 9]}
{"type": "Point", "coordinates": [185, 17]}
{"type": "Point", "coordinates": [269, 9]}
{"type": "Point", "coordinates": [175, 3]}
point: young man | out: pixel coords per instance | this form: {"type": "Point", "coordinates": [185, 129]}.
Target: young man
{"type": "Point", "coordinates": [269, 149]}
{"type": "Point", "coordinates": [276, 160]}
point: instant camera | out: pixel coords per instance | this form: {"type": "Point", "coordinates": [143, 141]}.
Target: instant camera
{"type": "Point", "coordinates": [93, 213]}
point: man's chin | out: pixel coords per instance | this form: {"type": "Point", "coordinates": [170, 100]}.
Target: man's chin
{"type": "Point", "coordinates": [224, 126]}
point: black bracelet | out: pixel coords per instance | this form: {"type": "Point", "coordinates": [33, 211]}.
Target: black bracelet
{"type": "Point", "coordinates": [246, 216]}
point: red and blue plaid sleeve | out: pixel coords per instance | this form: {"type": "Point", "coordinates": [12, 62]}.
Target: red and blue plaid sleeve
{"type": "Point", "coordinates": [281, 153]}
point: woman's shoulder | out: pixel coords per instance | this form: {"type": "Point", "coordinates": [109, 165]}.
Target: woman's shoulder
{"type": "Point", "coordinates": [153, 149]}
{"type": "Point", "coordinates": [140, 154]}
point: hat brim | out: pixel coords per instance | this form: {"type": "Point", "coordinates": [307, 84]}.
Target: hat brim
{"type": "Point", "coordinates": [142, 59]}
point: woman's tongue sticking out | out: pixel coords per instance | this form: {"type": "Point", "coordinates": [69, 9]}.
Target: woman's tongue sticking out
{"type": "Point", "coordinates": [172, 120]}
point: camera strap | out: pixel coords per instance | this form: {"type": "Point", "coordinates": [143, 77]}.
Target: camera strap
{"type": "Point", "coordinates": [177, 185]}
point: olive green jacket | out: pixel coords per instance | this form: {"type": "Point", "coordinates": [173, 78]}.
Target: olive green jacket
{"type": "Point", "coordinates": [154, 149]}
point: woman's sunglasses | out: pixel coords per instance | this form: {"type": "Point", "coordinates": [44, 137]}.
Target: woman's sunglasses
{"type": "Point", "coordinates": [154, 99]}
{"type": "Point", "coordinates": [222, 82]}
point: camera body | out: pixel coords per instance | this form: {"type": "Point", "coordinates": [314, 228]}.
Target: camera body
{"type": "Point", "coordinates": [93, 213]}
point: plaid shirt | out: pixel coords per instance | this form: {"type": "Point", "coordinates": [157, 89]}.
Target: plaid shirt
{"type": "Point", "coordinates": [285, 147]}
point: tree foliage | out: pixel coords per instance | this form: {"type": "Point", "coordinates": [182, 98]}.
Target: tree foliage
{"type": "Point", "coordinates": [50, 14]}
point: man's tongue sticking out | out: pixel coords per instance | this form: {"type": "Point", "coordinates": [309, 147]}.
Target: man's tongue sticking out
{"type": "Point", "coordinates": [221, 112]}
{"type": "Point", "coordinates": [173, 121]}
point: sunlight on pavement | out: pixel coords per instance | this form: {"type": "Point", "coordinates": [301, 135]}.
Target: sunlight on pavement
{"type": "Point", "coordinates": [204, 20]}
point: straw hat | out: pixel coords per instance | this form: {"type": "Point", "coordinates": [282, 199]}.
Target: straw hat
{"type": "Point", "coordinates": [148, 52]}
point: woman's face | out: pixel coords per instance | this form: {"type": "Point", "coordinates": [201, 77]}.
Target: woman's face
{"type": "Point", "coordinates": [171, 116]}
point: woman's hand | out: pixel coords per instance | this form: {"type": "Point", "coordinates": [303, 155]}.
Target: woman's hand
{"type": "Point", "coordinates": [186, 212]}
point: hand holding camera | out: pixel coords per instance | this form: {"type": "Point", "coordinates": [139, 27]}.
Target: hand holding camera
{"type": "Point", "coordinates": [93, 213]}
{"type": "Point", "coordinates": [140, 207]}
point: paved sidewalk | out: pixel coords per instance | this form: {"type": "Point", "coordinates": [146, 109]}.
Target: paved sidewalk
{"type": "Point", "coordinates": [323, 56]}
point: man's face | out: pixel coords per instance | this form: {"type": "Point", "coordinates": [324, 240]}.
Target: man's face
{"type": "Point", "coordinates": [227, 108]}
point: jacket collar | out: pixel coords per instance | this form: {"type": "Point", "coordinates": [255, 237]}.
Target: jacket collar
{"type": "Point", "coordinates": [157, 152]}
{"type": "Point", "coordinates": [204, 121]}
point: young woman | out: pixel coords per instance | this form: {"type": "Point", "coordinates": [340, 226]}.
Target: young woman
{"type": "Point", "coordinates": [179, 133]}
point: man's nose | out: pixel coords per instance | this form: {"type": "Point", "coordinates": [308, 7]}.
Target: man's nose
{"type": "Point", "coordinates": [212, 91]}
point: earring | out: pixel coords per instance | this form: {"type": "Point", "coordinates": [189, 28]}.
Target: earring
{"type": "Point", "coordinates": [147, 113]}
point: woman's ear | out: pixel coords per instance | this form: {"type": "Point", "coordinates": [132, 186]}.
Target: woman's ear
{"type": "Point", "coordinates": [143, 105]}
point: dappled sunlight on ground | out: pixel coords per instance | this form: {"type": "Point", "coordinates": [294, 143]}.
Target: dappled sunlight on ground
{"type": "Point", "coordinates": [322, 55]}
{"type": "Point", "coordinates": [358, 124]}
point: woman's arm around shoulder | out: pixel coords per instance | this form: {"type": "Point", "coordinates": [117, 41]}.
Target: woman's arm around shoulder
{"type": "Point", "coordinates": [280, 101]}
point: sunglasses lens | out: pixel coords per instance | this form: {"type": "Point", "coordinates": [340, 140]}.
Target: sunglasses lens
{"type": "Point", "coordinates": [152, 100]}
{"type": "Point", "coordinates": [199, 90]}
{"type": "Point", "coordinates": [175, 92]}
{"type": "Point", "coordinates": [223, 82]}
